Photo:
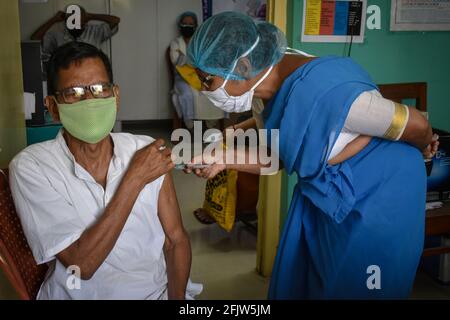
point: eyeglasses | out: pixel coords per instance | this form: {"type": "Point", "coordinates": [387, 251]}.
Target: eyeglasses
{"type": "Point", "coordinates": [206, 81]}
{"type": "Point", "coordinates": [78, 93]}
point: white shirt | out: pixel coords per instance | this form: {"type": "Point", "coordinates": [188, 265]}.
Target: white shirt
{"type": "Point", "coordinates": [57, 200]}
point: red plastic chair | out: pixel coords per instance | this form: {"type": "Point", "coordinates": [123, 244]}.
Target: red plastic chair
{"type": "Point", "coordinates": [16, 259]}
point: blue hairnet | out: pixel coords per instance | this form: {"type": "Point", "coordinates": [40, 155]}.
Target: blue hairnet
{"type": "Point", "coordinates": [219, 44]}
{"type": "Point", "coordinates": [187, 14]}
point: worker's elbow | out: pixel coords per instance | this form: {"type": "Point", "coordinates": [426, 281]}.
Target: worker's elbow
{"type": "Point", "coordinates": [425, 133]}
{"type": "Point", "coordinates": [418, 132]}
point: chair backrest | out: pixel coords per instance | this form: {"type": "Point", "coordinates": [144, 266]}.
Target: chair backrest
{"type": "Point", "coordinates": [403, 91]}
{"type": "Point", "coordinates": [16, 258]}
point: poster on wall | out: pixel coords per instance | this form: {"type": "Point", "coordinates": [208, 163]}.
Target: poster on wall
{"type": "Point", "coordinates": [333, 21]}
{"type": "Point", "coordinates": [253, 8]}
{"type": "Point", "coordinates": [420, 15]}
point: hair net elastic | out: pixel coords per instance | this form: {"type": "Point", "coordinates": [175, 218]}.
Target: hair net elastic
{"type": "Point", "coordinates": [187, 14]}
{"type": "Point", "coordinates": [233, 46]}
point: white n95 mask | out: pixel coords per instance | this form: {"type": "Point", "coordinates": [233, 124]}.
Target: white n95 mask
{"type": "Point", "coordinates": [222, 100]}
{"type": "Point", "coordinates": [234, 104]}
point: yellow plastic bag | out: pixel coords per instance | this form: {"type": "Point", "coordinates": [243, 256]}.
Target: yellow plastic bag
{"type": "Point", "coordinates": [187, 72]}
{"type": "Point", "coordinates": [220, 198]}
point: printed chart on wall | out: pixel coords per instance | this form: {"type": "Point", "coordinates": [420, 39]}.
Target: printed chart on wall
{"type": "Point", "coordinates": [420, 15]}
{"type": "Point", "coordinates": [333, 21]}
{"type": "Point", "coordinates": [253, 8]}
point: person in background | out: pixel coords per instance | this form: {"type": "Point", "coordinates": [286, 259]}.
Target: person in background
{"type": "Point", "coordinates": [100, 201]}
{"type": "Point", "coordinates": [54, 33]}
{"type": "Point", "coordinates": [257, 9]}
{"type": "Point", "coordinates": [183, 97]}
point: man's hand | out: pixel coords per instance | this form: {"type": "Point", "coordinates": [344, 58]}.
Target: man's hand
{"type": "Point", "coordinates": [432, 149]}
{"type": "Point", "coordinates": [151, 162]}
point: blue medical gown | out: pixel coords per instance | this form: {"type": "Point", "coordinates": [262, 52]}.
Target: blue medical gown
{"type": "Point", "coordinates": [344, 220]}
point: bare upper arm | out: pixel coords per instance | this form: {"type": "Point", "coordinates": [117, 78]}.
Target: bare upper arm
{"type": "Point", "coordinates": [169, 211]}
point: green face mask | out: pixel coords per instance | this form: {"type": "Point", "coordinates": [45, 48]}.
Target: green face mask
{"type": "Point", "coordinates": [89, 120]}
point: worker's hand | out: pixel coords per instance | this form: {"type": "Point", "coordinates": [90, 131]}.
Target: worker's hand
{"type": "Point", "coordinates": [211, 171]}
{"type": "Point", "coordinates": [151, 162]}
{"type": "Point", "coordinates": [224, 133]}
{"type": "Point", "coordinates": [432, 149]}
{"type": "Point", "coordinates": [214, 167]}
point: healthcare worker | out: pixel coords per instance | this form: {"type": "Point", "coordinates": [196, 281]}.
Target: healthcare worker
{"type": "Point", "coordinates": [355, 228]}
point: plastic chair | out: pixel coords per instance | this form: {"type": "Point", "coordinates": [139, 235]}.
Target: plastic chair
{"type": "Point", "coordinates": [16, 258]}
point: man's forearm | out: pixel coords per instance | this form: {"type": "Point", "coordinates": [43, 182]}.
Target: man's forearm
{"type": "Point", "coordinates": [95, 244]}
{"type": "Point", "coordinates": [178, 261]}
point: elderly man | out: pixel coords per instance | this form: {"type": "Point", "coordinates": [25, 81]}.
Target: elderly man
{"type": "Point", "coordinates": [99, 203]}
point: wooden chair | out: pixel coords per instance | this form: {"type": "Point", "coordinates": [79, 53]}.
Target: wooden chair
{"type": "Point", "coordinates": [438, 220]}
{"type": "Point", "coordinates": [16, 259]}
{"type": "Point", "coordinates": [402, 91]}
{"type": "Point", "coordinates": [438, 224]}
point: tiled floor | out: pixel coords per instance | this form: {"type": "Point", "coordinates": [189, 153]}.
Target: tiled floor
{"type": "Point", "coordinates": [225, 263]}
{"type": "Point", "coordinates": [425, 288]}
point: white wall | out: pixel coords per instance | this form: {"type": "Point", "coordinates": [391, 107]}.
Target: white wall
{"type": "Point", "coordinates": [138, 49]}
